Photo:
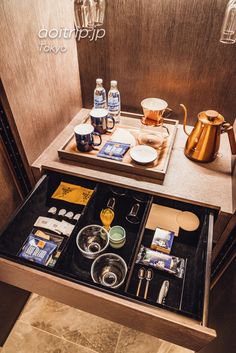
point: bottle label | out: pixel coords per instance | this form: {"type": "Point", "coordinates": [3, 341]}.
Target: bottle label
{"type": "Point", "coordinates": [98, 99]}
{"type": "Point", "coordinates": [99, 102]}
{"type": "Point", "coordinates": [114, 102]}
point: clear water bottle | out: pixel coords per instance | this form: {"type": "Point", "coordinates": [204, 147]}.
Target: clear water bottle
{"type": "Point", "coordinates": [100, 100]}
{"type": "Point", "coordinates": [114, 103]}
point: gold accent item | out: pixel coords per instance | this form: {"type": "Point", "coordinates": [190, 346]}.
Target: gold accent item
{"type": "Point", "coordinates": [72, 193]}
{"type": "Point", "coordinates": [107, 215]}
{"type": "Point", "coordinates": [153, 110]}
{"type": "Point", "coordinates": [204, 141]}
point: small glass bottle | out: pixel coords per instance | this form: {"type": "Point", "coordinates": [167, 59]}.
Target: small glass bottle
{"type": "Point", "coordinates": [114, 104]}
{"type": "Point", "coordinates": [100, 100]}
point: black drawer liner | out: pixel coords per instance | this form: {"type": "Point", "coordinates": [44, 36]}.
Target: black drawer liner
{"type": "Point", "coordinates": [38, 205]}
{"type": "Point", "coordinates": [73, 262]}
{"type": "Point", "coordinates": [73, 266]}
{"type": "Point", "coordinates": [186, 293]}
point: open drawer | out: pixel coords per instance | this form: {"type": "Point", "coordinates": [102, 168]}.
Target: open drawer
{"type": "Point", "coordinates": [181, 319]}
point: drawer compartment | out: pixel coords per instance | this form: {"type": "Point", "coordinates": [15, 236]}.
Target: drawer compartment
{"type": "Point", "coordinates": [185, 295]}
{"type": "Point", "coordinates": [37, 204]}
{"type": "Point", "coordinates": [73, 264]}
{"type": "Point", "coordinates": [178, 320]}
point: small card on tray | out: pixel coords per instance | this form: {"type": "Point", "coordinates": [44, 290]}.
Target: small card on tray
{"type": "Point", "coordinates": [162, 240]}
{"type": "Point", "coordinates": [113, 150]}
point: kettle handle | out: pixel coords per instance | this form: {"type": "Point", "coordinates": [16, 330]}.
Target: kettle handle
{"type": "Point", "coordinates": [230, 131]}
{"type": "Point", "coordinates": [185, 118]}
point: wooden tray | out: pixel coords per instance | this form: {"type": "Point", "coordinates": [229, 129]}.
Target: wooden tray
{"type": "Point", "coordinates": [132, 122]}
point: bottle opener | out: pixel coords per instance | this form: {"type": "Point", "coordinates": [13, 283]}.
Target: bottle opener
{"type": "Point", "coordinates": [163, 292]}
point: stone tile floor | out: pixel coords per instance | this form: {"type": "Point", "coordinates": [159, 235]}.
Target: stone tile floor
{"type": "Point", "coordinates": [46, 326]}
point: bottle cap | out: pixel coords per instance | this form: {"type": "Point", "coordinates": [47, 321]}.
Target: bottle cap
{"type": "Point", "coordinates": [99, 80]}
{"type": "Point", "coordinates": [113, 83]}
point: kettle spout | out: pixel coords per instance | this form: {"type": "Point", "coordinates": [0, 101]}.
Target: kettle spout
{"type": "Point", "coordinates": [185, 118]}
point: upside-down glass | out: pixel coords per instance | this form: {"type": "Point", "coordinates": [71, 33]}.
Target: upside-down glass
{"type": "Point", "coordinates": [89, 13]}
{"type": "Point", "coordinates": [111, 203]}
{"type": "Point", "coordinates": [100, 6]}
{"type": "Point", "coordinates": [132, 216]}
{"type": "Point", "coordinates": [228, 30]}
{"type": "Point", "coordinates": [78, 13]}
{"type": "Point", "coordinates": [84, 13]}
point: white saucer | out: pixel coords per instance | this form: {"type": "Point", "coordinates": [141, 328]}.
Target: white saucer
{"type": "Point", "coordinates": [143, 154]}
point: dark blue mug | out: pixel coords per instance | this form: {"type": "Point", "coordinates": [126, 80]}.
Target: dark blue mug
{"type": "Point", "coordinates": [100, 120]}
{"type": "Point", "coordinates": [84, 136]}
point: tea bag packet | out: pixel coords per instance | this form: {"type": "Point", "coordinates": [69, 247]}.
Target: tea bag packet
{"type": "Point", "coordinates": [55, 226]}
{"type": "Point", "coordinates": [53, 259]}
{"type": "Point", "coordinates": [114, 150]}
{"type": "Point", "coordinates": [37, 249]}
{"type": "Point", "coordinates": [162, 240]}
{"type": "Point", "coordinates": [59, 240]}
{"type": "Point", "coordinates": [171, 264]}
{"type": "Point", "coordinates": [72, 193]}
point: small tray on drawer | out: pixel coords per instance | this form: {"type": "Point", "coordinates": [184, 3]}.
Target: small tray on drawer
{"type": "Point", "coordinates": [131, 122]}
{"type": "Point", "coordinates": [70, 281]}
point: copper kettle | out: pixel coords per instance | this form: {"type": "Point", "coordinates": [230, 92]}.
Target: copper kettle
{"type": "Point", "coordinates": [204, 141]}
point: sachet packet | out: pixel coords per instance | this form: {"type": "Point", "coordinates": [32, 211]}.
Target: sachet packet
{"type": "Point", "coordinates": [172, 264]}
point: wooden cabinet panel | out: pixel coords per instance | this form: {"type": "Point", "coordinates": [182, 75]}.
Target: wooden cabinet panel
{"type": "Point", "coordinates": [167, 49]}
{"type": "Point", "coordinates": [9, 195]}
{"type": "Point", "coordinates": [43, 89]}
{"type": "Point", "coordinates": [12, 298]}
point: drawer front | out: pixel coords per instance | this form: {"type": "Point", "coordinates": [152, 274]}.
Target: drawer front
{"type": "Point", "coordinates": [156, 322]}
{"type": "Point", "coordinates": [120, 306]}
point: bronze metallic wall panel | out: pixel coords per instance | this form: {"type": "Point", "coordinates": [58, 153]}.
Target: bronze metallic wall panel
{"type": "Point", "coordinates": [163, 48]}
